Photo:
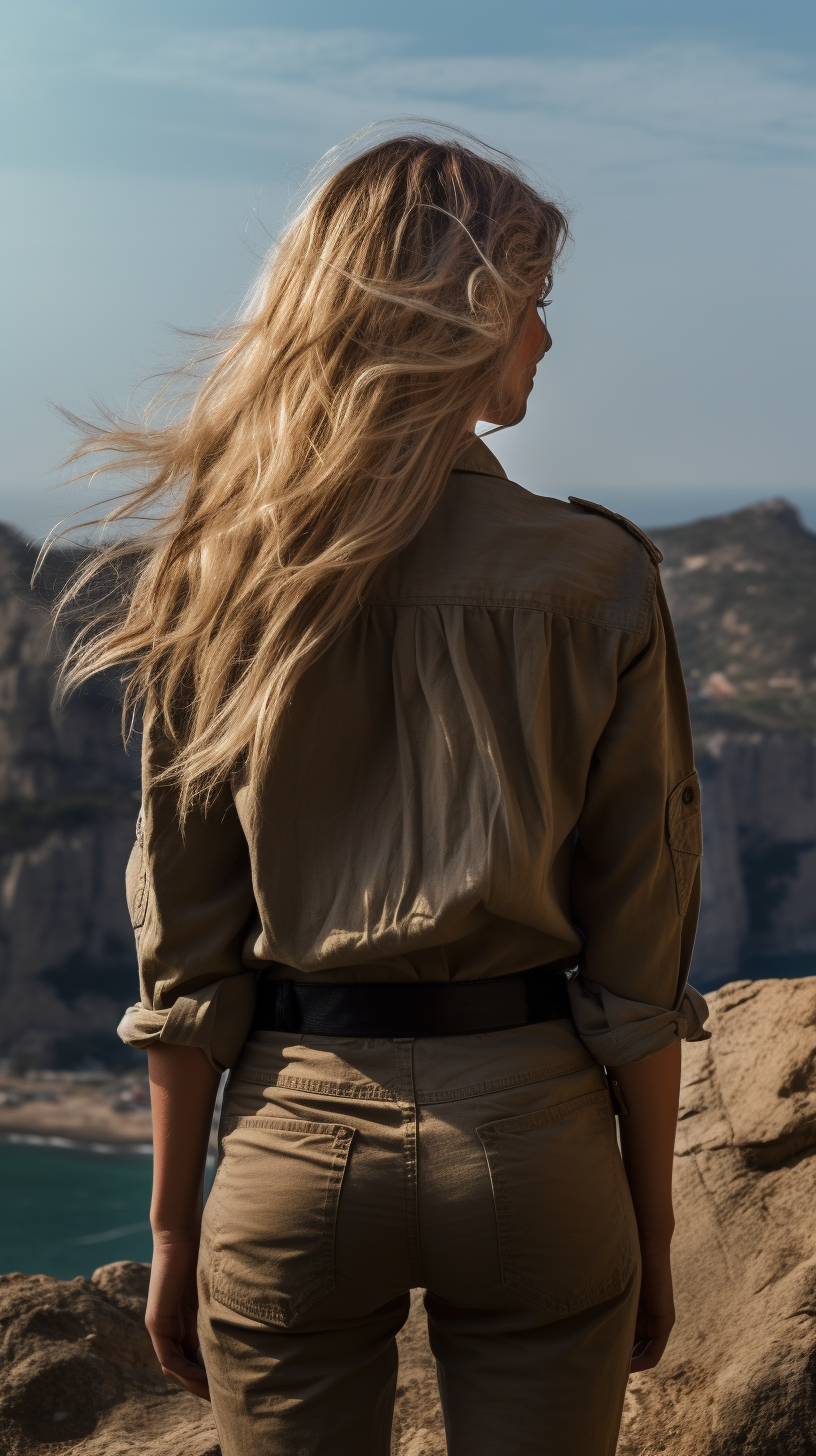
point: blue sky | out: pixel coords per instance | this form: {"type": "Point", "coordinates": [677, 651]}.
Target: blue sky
{"type": "Point", "coordinates": [152, 150]}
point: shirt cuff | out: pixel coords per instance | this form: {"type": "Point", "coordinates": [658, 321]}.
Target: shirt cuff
{"type": "Point", "coordinates": [216, 1018]}
{"type": "Point", "coordinates": [616, 1030]}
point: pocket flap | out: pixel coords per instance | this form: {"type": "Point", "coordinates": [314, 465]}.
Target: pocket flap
{"type": "Point", "coordinates": [136, 888]}
{"type": "Point", "coordinates": [685, 821]}
{"type": "Point", "coordinates": [684, 831]}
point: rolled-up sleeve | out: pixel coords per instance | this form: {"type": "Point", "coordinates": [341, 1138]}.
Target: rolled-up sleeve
{"type": "Point", "coordinates": [190, 897]}
{"type": "Point", "coordinates": [636, 867]}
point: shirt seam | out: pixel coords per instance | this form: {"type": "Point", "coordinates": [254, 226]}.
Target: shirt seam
{"type": "Point", "coordinates": [450, 600]}
{"type": "Point", "coordinates": [478, 470]}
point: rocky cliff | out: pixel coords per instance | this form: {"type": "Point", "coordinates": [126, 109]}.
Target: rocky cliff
{"type": "Point", "coordinates": [742, 588]}
{"type": "Point", "coordinates": [68, 800]}
{"type": "Point", "coordinates": [758, 913]}
{"type": "Point", "coordinates": [77, 1372]}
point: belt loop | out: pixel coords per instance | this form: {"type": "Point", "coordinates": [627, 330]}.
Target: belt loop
{"type": "Point", "coordinates": [288, 1011]}
{"type": "Point", "coordinates": [618, 1101]}
{"type": "Point", "coordinates": [529, 991]}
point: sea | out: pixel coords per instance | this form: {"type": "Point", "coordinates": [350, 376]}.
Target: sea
{"type": "Point", "coordinates": [66, 1207]}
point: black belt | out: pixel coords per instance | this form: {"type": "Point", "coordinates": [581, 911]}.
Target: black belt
{"type": "Point", "coordinates": [412, 1008]}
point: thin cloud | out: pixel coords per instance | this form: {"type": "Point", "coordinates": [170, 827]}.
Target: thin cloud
{"type": "Point", "coordinates": [693, 98]}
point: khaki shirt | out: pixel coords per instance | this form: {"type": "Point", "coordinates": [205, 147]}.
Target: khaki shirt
{"type": "Point", "coordinates": [490, 769]}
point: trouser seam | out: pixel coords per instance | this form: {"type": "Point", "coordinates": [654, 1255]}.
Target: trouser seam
{"type": "Point", "coordinates": [408, 1103]}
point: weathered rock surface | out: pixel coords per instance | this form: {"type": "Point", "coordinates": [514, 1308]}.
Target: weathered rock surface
{"type": "Point", "coordinates": [738, 1378]}
{"type": "Point", "coordinates": [739, 1375]}
{"type": "Point", "coordinates": [79, 1373]}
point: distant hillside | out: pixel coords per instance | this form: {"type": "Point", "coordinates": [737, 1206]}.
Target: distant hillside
{"type": "Point", "coordinates": [742, 590]}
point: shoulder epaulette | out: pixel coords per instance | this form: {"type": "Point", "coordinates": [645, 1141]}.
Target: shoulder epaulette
{"type": "Point", "coordinates": [654, 552]}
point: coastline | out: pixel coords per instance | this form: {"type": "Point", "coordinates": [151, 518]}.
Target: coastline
{"type": "Point", "coordinates": [98, 1112]}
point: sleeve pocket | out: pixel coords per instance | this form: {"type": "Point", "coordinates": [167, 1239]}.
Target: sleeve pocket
{"type": "Point", "coordinates": [136, 888]}
{"type": "Point", "coordinates": [684, 830]}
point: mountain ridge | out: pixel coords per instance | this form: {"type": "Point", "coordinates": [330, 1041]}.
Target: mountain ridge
{"type": "Point", "coordinates": [742, 592]}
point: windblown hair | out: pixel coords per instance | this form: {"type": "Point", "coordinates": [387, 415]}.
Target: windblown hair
{"type": "Point", "coordinates": [313, 450]}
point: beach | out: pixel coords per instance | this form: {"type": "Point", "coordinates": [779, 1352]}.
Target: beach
{"type": "Point", "coordinates": [81, 1107]}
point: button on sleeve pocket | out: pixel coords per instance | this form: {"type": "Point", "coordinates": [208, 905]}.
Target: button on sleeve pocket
{"type": "Point", "coordinates": [269, 1223]}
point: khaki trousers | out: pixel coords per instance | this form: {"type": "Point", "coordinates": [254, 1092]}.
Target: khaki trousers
{"type": "Point", "coordinates": [483, 1169]}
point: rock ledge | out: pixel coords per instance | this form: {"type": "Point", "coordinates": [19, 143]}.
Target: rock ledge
{"type": "Point", "coordinates": [77, 1371]}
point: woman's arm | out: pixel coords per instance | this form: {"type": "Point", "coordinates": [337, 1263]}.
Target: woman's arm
{"type": "Point", "coordinates": [651, 1092]}
{"type": "Point", "coordinates": [183, 1085]}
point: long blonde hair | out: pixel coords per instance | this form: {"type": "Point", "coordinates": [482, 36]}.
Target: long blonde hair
{"type": "Point", "coordinates": [313, 450]}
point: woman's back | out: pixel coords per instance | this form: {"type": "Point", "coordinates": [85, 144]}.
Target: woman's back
{"type": "Point", "coordinates": [433, 766]}
{"type": "Point", "coordinates": [474, 778]}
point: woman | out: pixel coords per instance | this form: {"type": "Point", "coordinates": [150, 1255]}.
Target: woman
{"type": "Point", "coordinates": [416, 747]}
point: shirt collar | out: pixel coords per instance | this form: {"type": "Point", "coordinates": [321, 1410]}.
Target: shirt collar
{"type": "Point", "coordinates": [477, 459]}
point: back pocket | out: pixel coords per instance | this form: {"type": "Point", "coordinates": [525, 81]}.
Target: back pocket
{"type": "Point", "coordinates": [567, 1234]}
{"type": "Point", "coordinates": [270, 1219]}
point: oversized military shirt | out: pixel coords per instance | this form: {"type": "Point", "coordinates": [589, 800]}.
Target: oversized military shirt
{"type": "Point", "coordinates": [489, 770]}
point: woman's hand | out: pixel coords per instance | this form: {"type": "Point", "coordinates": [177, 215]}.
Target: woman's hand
{"type": "Point", "coordinates": [182, 1092]}
{"type": "Point", "coordinates": [655, 1317]}
{"type": "Point", "coordinates": [172, 1307]}
{"type": "Point", "coordinates": [651, 1093]}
